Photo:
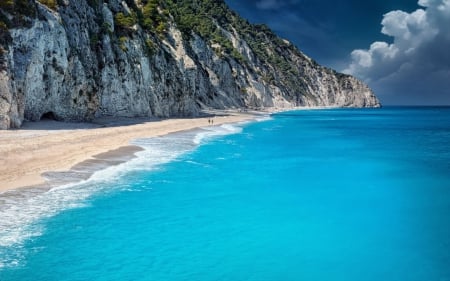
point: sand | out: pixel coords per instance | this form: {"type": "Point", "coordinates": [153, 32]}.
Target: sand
{"type": "Point", "coordinates": [42, 150]}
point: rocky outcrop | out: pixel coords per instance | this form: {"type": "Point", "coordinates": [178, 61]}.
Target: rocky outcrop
{"type": "Point", "coordinates": [76, 62]}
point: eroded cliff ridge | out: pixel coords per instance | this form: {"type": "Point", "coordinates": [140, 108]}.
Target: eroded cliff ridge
{"type": "Point", "coordinates": [76, 60]}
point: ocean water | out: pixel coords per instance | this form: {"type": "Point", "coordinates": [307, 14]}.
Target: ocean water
{"type": "Point", "coordinates": [304, 195]}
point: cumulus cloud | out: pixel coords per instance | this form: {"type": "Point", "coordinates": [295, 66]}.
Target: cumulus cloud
{"type": "Point", "coordinates": [416, 65]}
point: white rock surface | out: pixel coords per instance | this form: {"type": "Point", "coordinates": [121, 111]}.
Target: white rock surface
{"type": "Point", "coordinates": [67, 64]}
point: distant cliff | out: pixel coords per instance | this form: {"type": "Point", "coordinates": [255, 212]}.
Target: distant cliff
{"type": "Point", "coordinates": [77, 60]}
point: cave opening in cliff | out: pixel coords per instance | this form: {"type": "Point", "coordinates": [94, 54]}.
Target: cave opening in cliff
{"type": "Point", "coordinates": [48, 116]}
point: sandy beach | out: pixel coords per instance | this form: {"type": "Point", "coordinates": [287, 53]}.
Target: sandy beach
{"type": "Point", "coordinates": [46, 147]}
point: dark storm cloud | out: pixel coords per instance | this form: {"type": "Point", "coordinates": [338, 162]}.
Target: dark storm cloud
{"type": "Point", "coordinates": [415, 68]}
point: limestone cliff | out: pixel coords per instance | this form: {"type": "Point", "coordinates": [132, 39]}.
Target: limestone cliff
{"type": "Point", "coordinates": [81, 59]}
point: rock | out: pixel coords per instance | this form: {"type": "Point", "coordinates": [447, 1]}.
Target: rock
{"type": "Point", "coordinates": [75, 64]}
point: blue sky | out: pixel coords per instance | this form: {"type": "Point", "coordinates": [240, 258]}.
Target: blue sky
{"type": "Point", "coordinates": [401, 48]}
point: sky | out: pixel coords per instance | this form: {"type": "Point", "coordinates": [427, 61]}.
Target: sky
{"type": "Point", "coordinates": [400, 48]}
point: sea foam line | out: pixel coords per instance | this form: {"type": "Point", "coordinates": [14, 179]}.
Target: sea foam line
{"type": "Point", "coordinates": [21, 211]}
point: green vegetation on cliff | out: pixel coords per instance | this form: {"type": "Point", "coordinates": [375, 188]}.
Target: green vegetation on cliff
{"type": "Point", "coordinates": [147, 13]}
{"type": "Point", "coordinates": [16, 13]}
{"type": "Point", "coordinates": [205, 18]}
{"type": "Point", "coordinates": [87, 58]}
{"type": "Point", "coordinates": [212, 19]}
{"type": "Point", "coordinates": [13, 13]}
{"type": "Point", "coordinates": [50, 3]}
{"type": "Point", "coordinates": [154, 17]}
{"type": "Point", "coordinates": [125, 22]}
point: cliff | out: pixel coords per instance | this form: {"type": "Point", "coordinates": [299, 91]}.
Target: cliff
{"type": "Point", "coordinates": [77, 60]}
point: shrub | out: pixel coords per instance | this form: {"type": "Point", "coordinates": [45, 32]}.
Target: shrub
{"type": "Point", "coordinates": [152, 19]}
{"type": "Point", "coordinates": [106, 28]}
{"type": "Point", "coordinates": [50, 3]}
{"type": "Point", "coordinates": [122, 41]}
{"type": "Point", "coordinates": [7, 5]}
{"type": "Point", "coordinates": [150, 47]}
{"type": "Point", "coordinates": [123, 21]}
{"type": "Point", "coordinates": [161, 28]}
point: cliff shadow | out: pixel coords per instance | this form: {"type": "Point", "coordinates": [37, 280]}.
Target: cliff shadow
{"type": "Point", "coordinates": [49, 123]}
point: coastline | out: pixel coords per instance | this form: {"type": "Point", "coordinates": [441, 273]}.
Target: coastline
{"type": "Point", "coordinates": [59, 152]}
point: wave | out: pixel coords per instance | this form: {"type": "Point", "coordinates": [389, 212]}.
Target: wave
{"type": "Point", "coordinates": [264, 118]}
{"type": "Point", "coordinates": [22, 211]}
{"type": "Point", "coordinates": [211, 132]}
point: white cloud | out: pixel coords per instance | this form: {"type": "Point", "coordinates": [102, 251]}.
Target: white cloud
{"type": "Point", "coordinates": [420, 51]}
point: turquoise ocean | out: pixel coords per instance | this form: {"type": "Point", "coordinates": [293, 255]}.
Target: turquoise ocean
{"type": "Point", "coordinates": [339, 194]}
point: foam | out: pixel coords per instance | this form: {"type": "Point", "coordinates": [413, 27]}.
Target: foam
{"type": "Point", "coordinates": [264, 118]}
{"type": "Point", "coordinates": [22, 211]}
{"type": "Point", "coordinates": [216, 131]}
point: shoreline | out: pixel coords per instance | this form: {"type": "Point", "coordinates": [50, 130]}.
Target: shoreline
{"type": "Point", "coordinates": [50, 153]}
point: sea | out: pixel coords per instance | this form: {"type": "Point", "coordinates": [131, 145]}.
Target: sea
{"type": "Point", "coordinates": [325, 195]}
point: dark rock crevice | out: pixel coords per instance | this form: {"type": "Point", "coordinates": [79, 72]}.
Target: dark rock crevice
{"type": "Point", "coordinates": [79, 60]}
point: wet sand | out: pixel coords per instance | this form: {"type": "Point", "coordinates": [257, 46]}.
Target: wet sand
{"type": "Point", "coordinates": [50, 153]}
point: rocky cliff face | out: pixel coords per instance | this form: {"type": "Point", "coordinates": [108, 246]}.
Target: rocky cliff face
{"type": "Point", "coordinates": [77, 60]}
